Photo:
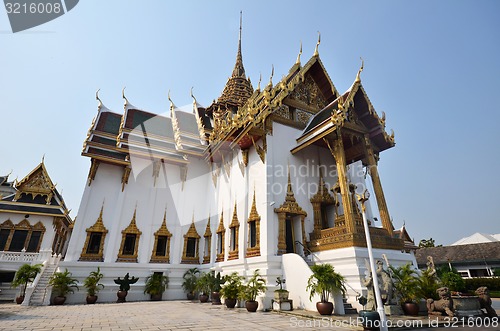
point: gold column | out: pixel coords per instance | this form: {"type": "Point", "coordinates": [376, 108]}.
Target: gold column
{"type": "Point", "coordinates": [377, 187]}
{"type": "Point", "coordinates": [344, 185]}
{"type": "Point", "coordinates": [317, 217]}
{"type": "Point", "coordinates": [281, 233]}
{"type": "Point", "coordinates": [304, 241]}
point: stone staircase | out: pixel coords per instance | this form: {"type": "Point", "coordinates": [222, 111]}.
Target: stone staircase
{"type": "Point", "coordinates": [348, 308]}
{"type": "Point", "coordinates": [40, 293]}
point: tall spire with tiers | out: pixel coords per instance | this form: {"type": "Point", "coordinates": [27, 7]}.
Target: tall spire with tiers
{"type": "Point", "coordinates": [238, 87]}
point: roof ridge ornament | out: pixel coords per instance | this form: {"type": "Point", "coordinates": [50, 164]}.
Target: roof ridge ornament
{"type": "Point", "coordinates": [300, 53]}
{"type": "Point", "coordinates": [272, 74]}
{"type": "Point", "coordinates": [124, 97]}
{"type": "Point", "coordinates": [99, 106]}
{"type": "Point", "coordinates": [316, 52]}
{"type": "Point", "coordinates": [358, 75]}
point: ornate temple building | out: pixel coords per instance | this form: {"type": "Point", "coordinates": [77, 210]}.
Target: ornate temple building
{"type": "Point", "coordinates": [34, 223]}
{"type": "Point", "coordinates": [260, 173]}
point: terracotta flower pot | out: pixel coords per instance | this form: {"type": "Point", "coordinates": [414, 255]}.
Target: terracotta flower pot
{"type": "Point", "coordinates": [410, 308]}
{"type": "Point", "coordinates": [58, 300]}
{"type": "Point", "coordinates": [19, 299]}
{"type": "Point", "coordinates": [156, 297]}
{"type": "Point", "coordinates": [216, 298]}
{"type": "Point", "coordinates": [203, 298]}
{"type": "Point", "coordinates": [91, 299]}
{"type": "Point", "coordinates": [121, 296]}
{"type": "Point", "coordinates": [190, 296]}
{"type": "Point", "coordinates": [324, 308]}
{"type": "Point", "coordinates": [252, 306]}
{"type": "Point", "coordinates": [230, 303]}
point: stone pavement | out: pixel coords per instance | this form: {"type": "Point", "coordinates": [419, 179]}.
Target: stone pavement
{"type": "Point", "coordinates": [184, 315]}
{"type": "Point", "coordinates": [158, 315]}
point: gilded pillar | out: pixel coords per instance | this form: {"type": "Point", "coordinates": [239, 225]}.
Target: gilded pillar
{"type": "Point", "coordinates": [281, 233]}
{"type": "Point", "coordinates": [344, 185]}
{"type": "Point", "coordinates": [317, 216]}
{"type": "Point", "coordinates": [304, 241]}
{"type": "Point", "coordinates": [377, 187]}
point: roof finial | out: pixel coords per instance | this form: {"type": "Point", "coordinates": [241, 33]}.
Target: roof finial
{"type": "Point", "coordinates": [192, 96]}
{"type": "Point", "coordinates": [43, 157]}
{"type": "Point", "coordinates": [260, 78]}
{"type": "Point", "coordinates": [300, 53]}
{"type": "Point", "coordinates": [358, 77]}
{"type": "Point", "coordinates": [316, 53]}
{"type": "Point", "coordinates": [124, 97]}
{"type": "Point", "coordinates": [239, 70]}
{"type": "Point", "coordinates": [97, 98]}
{"type": "Point", "coordinates": [172, 106]}
{"type": "Point", "coordinates": [272, 74]}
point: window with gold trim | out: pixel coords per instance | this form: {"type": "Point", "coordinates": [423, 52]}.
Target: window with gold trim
{"type": "Point", "coordinates": [161, 247]}
{"type": "Point", "coordinates": [190, 252]}
{"type": "Point", "coordinates": [221, 231]}
{"type": "Point", "coordinates": [208, 242]}
{"type": "Point", "coordinates": [93, 248]}
{"type": "Point", "coordinates": [253, 248]}
{"type": "Point", "coordinates": [21, 236]}
{"type": "Point", "coordinates": [130, 242]}
{"type": "Point", "coordinates": [234, 228]}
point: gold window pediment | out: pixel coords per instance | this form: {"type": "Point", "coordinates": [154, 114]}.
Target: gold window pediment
{"type": "Point", "coordinates": [234, 227]}
{"type": "Point", "coordinates": [161, 232]}
{"type": "Point", "coordinates": [98, 229]}
{"type": "Point", "coordinates": [221, 231]}
{"type": "Point", "coordinates": [190, 252]}
{"type": "Point", "coordinates": [130, 236]}
{"type": "Point", "coordinates": [254, 217]}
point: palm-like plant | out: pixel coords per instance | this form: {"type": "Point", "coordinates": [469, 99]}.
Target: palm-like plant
{"type": "Point", "coordinates": [406, 282]}
{"type": "Point", "coordinates": [325, 281]}
{"type": "Point", "coordinates": [24, 275]}
{"type": "Point", "coordinates": [62, 283]}
{"type": "Point", "coordinates": [205, 283]}
{"type": "Point", "coordinates": [256, 285]}
{"type": "Point", "coordinates": [190, 277]}
{"type": "Point", "coordinates": [156, 284]}
{"type": "Point", "coordinates": [91, 283]}
{"type": "Point", "coordinates": [232, 285]}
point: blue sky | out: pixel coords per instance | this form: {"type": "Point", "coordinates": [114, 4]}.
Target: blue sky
{"type": "Point", "coordinates": [432, 66]}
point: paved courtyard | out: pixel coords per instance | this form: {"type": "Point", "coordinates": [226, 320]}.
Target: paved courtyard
{"type": "Point", "coordinates": [163, 315]}
{"type": "Point", "coordinates": [182, 315]}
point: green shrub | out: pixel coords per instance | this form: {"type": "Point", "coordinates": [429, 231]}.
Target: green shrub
{"type": "Point", "coordinates": [493, 284]}
{"type": "Point", "coordinates": [453, 281]}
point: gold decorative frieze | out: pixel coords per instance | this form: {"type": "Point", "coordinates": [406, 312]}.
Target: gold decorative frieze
{"type": "Point", "coordinates": [244, 154]}
{"type": "Point", "coordinates": [125, 176]}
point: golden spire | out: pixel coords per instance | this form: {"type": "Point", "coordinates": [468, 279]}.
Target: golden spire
{"type": "Point", "coordinates": [358, 77]}
{"type": "Point", "coordinates": [254, 215]}
{"type": "Point", "coordinates": [99, 219]}
{"type": "Point", "coordinates": [289, 191]}
{"type": "Point", "coordinates": [124, 97]}
{"type": "Point", "coordinates": [165, 217]}
{"type": "Point", "coordinates": [194, 99]}
{"type": "Point", "coordinates": [260, 78]}
{"type": "Point", "coordinates": [239, 70]}
{"type": "Point", "coordinates": [316, 53]}
{"type": "Point", "coordinates": [97, 98]}
{"type": "Point", "coordinates": [300, 53]}
{"type": "Point", "coordinates": [133, 217]}
{"type": "Point", "coordinates": [272, 74]}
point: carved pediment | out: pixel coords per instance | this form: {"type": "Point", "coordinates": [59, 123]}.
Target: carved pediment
{"type": "Point", "coordinates": [308, 93]}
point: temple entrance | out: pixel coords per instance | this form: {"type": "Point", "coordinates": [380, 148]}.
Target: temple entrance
{"type": "Point", "coordinates": [289, 235]}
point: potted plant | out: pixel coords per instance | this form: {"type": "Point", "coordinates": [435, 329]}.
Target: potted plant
{"type": "Point", "coordinates": [231, 289]}
{"type": "Point", "coordinates": [124, 286]}
{"type": "Point", "coordinates": [407, 285]}
{"type": "Point", "coordinates": [216, 285]}
{"type": "Point", "coordinates": [280, 294]}
{"type": "Point", "coordinates": [203, 286]}
{"type": "Point", "coordinates": [324, 281]}
{"type": "Point", "coordinates": [189, 284]}
{"type": "Point", "coordinates": [93, 286]}
{"type": "Point", "coordinates": [256, 285]}
{"type": "Point", "coordinates": [24, 275]}
{"type": "Point", "coordinates": [62, 284]}
{"type": "Point", "coordinates": [155, 285]}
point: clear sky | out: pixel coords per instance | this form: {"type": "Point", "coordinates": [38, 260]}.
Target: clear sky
{"type": "Point", "coordinates": [432, 66]}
